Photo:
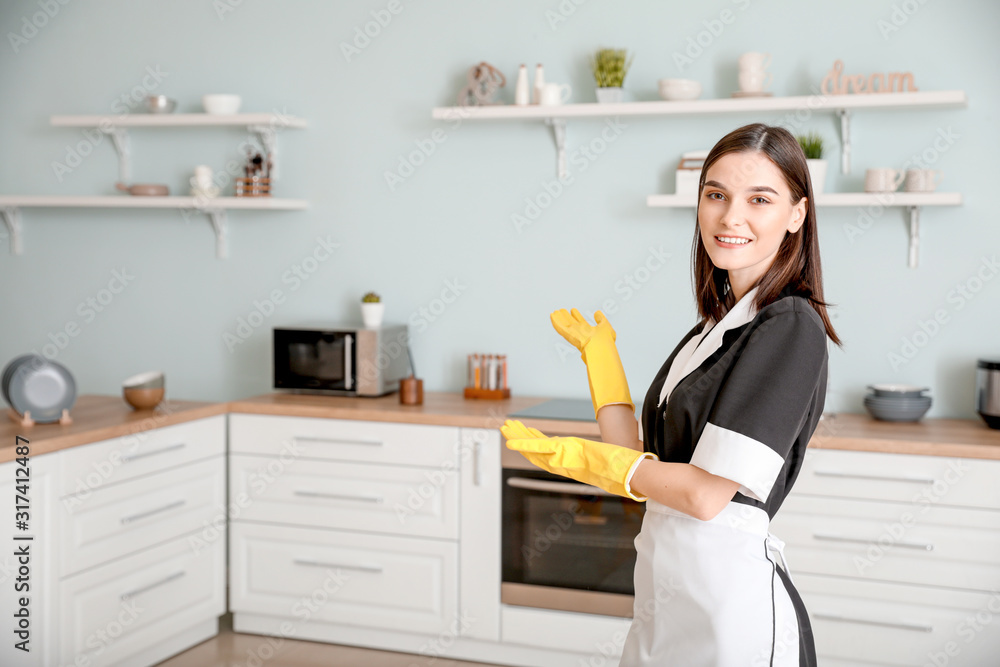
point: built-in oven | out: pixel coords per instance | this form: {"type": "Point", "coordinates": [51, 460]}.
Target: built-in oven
{"type": "Point", "coordinates": [565, 545]}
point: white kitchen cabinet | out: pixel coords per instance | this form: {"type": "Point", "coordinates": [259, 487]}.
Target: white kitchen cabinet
{"type": "Point", "coordinates": [336, 576]}
{"type": "Point", "coordinates": [89, 467]}
{"type": "Point", "coordinates": [124, 571]}
{"type": "Point", "coordinates": [893, 555]}
{"type": "Point", "coordinates": [141, 609]}
{"type": "Point", "coordinates": [362, 515]}
{"type": "Point", "coordinates": [40, 574]}
{"type": "Point", "coordinates": [395, 500]}
{"type": "Point", "coordinates": [131, 516]}
{"type": "Point", "coordinates": [479, 546]}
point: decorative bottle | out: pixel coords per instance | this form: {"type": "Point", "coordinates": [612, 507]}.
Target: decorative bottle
{"type": "Point", "coordinates": [522, 93]}
{"type": "Point", "coordinates": [539, 83]}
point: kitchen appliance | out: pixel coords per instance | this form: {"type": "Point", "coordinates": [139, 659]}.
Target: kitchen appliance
{"type": "Point", "coordinates": [988, 392]}
{"type": "Point", "coordinates": [565, 545]}
{"type": "Point", "coordinates": [340, 359]}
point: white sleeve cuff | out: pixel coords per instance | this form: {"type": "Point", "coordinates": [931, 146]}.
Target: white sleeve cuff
{"type": "Point", "coordinates": [739, 458]}
{"type": "Point", "coordinates": [631, 471]}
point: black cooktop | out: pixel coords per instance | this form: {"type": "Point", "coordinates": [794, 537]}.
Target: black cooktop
{"type": "Point", "coordinates": [570, 409]}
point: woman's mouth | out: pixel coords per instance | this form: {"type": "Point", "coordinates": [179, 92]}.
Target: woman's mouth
{"type": "Point", "coordinates": [731, 241]}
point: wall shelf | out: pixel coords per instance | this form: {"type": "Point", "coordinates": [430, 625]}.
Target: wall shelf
{"type": "Point", "coordinates": [842, 105]}
{"type": "Point", "coordinates": [214, 209]}
{"type": "Point", "coordinates": [264, 126]}
{"type": "Point", "coordinates": [912, 201]}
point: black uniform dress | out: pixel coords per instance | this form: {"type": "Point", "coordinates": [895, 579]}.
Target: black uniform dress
{"type": "Point", "coordinates": [739, 398]}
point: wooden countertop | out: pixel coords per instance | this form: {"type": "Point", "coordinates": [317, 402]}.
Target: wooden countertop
{"type": "Point", "coordinates": [103, 417]}
{"type": "Point", "coordinates": [100, 418]}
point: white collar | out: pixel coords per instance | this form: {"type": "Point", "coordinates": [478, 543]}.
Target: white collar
{"type": "Point", "coordinates": [702, 346]}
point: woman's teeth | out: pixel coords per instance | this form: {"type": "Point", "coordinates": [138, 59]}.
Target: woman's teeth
{"type": "Point", "coordinates": [732, 239]}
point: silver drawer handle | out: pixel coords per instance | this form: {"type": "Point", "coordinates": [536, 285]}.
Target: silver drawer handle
{"type": "Point", "coordinates": [556, 487]}
{"type": "Point", "coordinates": [168, 448]}
{"type": "Point", "coordinates": [880, 478]}
{"type": "Point", "coordinates": [369, 497]}
{"type": "Point", "coordinates": [882, 624]}
{"type": "Point", "coordinates": [168, 578]}
{"type": "Point", "coordinates": [337, 441]}
{"type": "Point", "coordinates": [343, 566]}
{"type": "Point", "coordinates": [143, 515]}
{"type": "Point", "coordinates": [923, 546]}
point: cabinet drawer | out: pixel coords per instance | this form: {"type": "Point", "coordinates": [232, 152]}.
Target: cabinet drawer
{"type": "Point", "coordinates": [88, 467]}
{"type": "Point", "coordinates": [888, 624]}
{"type": "Point", "coordinates": [326, 575]}
{"type": "Point", "coordinates": [358, 496]}
{"type": "Point", "coordinates": [344, 440]}
{"type": "Point", "coordinates": [124, 518]}
{"type": "Point", "coordinates": [939, 546]}
{"type": "Point", "coordinates": [115, 611]}
{"type": "Point", "coordinates": [904, 478]}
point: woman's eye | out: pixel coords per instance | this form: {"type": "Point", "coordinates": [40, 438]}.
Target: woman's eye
{"type": "Point", "coordinates": [759, 200]}
{"type": "Point", "coordinates": [712, 195]}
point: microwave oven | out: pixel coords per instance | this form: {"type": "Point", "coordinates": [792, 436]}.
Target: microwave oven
{"type": "Point", "coordinates": [340, 359]}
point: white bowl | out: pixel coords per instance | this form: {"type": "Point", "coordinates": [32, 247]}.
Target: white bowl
{"type": "Point", "coordinates": [679, 89]}
{"type": "Point", "coordinates": [221, 104]}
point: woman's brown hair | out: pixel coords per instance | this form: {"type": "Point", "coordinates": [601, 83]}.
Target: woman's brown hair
{"type": "Point", "coordinates": [797, 263]}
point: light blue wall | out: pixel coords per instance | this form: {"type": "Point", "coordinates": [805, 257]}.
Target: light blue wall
{"type": "Point", "coordinates": [451, 219]}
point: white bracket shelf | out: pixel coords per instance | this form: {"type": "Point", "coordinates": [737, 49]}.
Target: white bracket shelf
{"type": "Point", "coordinates": [842, 105]}
{"type": "Point", "coordinates": [214, 209]}
{"type": "Point", "coordinates": [911, 201]}
{"type": "Point", "coordinates": [264, 126]}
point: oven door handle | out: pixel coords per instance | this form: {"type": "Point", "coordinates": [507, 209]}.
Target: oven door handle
{"type": "Point", "coordinates": [557, 487]}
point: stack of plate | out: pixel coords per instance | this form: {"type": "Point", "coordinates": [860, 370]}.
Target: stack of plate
{"type": "Point", "coordinates": [33, 384]}
{"type": "Point", "coordinates": [897, 402]}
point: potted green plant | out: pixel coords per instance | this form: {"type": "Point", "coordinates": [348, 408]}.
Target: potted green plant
{"type": "Point", "coordinates": [610, 67]}
{"type": "Point", "coordinates": [812, 146]}
{"type": "Point", "coordinates": [372, 310]}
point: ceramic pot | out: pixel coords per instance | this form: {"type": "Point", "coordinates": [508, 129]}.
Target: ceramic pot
{"type": "Point", "coordinates": [610, 95]}
{"type": "Point", "coordinates": [817, 174]}
{"type": "Point", "coordinates": [372, 313]}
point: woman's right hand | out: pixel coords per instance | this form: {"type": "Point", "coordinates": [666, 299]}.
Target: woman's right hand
{"type": "Point", "coordinates": [597, 349]}
{"type": "Point", "coordinates": [575, 328]}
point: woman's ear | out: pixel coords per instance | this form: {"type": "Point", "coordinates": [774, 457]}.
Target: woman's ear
{"type": "Point", "coordinates": [798, 215]}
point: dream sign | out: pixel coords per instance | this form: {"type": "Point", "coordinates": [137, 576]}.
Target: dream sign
{"type": "Point", "coordinates": [837, 83]}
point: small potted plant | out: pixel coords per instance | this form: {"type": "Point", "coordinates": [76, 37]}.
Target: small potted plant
{"type": "Point", "coordinates": [610, 67]}
{"type": "Point", "coordinates": [812, 146]}
{"type": "Point", "coordinates": [372, 309]}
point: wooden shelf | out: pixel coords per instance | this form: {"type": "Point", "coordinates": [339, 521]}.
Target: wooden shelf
{"type": "Point", "coordinates": [214, 208]}
{"type": "Point", "coordinates": [180, 120]}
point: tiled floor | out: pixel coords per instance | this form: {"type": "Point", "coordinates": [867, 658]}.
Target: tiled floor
{"type": "Point", "coordinates": [230, 649]}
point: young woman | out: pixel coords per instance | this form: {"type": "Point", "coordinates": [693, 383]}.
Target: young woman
{"type": "Point", "coordinates": [724, 425]}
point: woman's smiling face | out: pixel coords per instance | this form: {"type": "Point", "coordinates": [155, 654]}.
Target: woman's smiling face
{"type": "Point", "coordinates": [743, 214]}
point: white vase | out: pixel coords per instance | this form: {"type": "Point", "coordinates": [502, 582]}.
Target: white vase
{"type": "Point", "coordinates": [610, 95]}
{"type": "Point", "coordinates": [817, 174]}
{"type": "Point", "coordinates": [371, 313]}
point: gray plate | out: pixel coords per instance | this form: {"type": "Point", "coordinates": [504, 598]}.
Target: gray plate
{"type": "Point", "coordinates": [45, 390]}
{"type": "Point", "coordinates": [9, 371]}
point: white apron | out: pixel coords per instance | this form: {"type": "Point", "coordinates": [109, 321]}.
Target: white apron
{"type": "Point", "coordinates": [707, 593]}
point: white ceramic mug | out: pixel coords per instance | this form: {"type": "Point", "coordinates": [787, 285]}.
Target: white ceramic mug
{"type": "Point", "coordinates": [202, 177]}
{"type": "Point", "coordinates": [754, 61]}
{"type": "Point", "coordinates": [554, 94]}
{"type": "Point", "coordinates": [755, 82]}
{"type": "Point", "coordinates": [922, 180]}
{"type": "Point", "coordinates": [883, 180]}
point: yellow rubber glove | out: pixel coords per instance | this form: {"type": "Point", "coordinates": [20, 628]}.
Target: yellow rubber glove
{"type": "Point", "coordinates": [599, 464]}
{"type": "Point", "coordinates": [597, 347]}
